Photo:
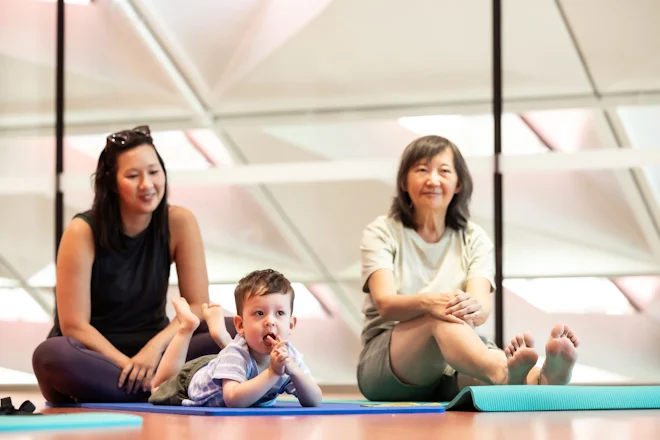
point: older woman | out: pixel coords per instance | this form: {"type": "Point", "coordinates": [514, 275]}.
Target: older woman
{"type": "Point", "coordinates": [427, 271]}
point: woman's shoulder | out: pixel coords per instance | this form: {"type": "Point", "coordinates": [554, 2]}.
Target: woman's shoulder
{"type": "Point", "coordinates": [182, 222]}
{"type": "Point", "coordinates": [385, 222]}
{"type": "Point", "coordinates": [180, 216]}
{"type": "Point", "coordinates": [384, 225]}
{"type": "Point", "coordinates": [81, 225]}
{"type": "Point", "coordinates": [475, 233]}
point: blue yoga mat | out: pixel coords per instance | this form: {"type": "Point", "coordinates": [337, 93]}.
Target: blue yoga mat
{"type": "Point", "coordinates": [68, 421]}
{"type": "Point", "coordinates": [509, 398]}
{"type": "Point", "coordinates": [280, 409]}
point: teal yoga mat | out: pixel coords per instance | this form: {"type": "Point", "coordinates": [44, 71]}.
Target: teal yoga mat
{"type": "Point", "coordinates": [515, 398]}
{"type": "Point", "coordinates": [67, 421]}
{"type": "Point", "coordinates": [522, 398]}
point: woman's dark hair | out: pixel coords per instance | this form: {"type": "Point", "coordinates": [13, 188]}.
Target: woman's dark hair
{"type": "Point", "coordinates": [106, 217]}
{"type": "Point", "coordinates": [427, 147]}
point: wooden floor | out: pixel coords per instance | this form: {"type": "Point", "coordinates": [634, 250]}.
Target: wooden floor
{"type": "Point", "coordinates": [619, 425]}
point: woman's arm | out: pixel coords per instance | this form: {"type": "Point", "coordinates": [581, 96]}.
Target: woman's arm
{"type": "Point", "coordinates": [480, 290]}
{"type": "Point", "coordinates": [475, 304]}
{"type": "Point", "coordinates": [394, 307]}
{"type": "Point", "coordinates": [188, 255]}
{"type": "Point", "coordinates": [75, 259]}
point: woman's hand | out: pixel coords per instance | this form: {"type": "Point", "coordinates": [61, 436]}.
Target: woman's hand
{"type": "Point", "coordinates": [139, 370]}
{"type": "Point", "coordinates": [462, 305]}
{"type": "Point", "coordinates": [437, 303]}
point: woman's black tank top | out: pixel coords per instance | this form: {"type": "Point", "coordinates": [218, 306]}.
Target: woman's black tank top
{"type": "Point", "coordinates": [128, 291]}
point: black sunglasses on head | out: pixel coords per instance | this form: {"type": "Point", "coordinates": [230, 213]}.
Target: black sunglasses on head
{"type": "Point", "coordinates": [128, 137]}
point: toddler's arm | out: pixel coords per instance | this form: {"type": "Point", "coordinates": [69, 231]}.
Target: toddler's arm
{"type": "Point", "coordinates": [309, 392]}
{"type": "Point", "coordinates": [242, 395]}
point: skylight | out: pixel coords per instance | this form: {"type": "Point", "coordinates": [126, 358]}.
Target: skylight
{"type": "Point", "coordinates": [173, 146]}
{"type": "Point", "coordinates": [17, 305]}
{"type": "Point", "coordinates": [474, 134]}
{"type": "Point", "coordinates": [571, 295]}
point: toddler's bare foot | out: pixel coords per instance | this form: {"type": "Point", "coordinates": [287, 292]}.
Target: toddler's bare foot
{"type": "Point", "coordinates": [188, 321]}
{"type": "Point", "coordinates": [521, 358]}
{"type": "Point", "coordinates": [560, 356]}
{"type": "Point", "coordinates": [215, 319]}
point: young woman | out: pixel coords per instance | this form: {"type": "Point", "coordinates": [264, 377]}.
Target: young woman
{"type": "Point", "coordinates": [113, 267]}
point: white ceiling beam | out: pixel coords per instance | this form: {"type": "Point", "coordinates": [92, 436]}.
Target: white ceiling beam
{"type": "Point", "coordinates": [385, 169]}
{"type": "Point", "coordinates": [91, 123]}
{"type": "Point", "coordinates": [631, 181]}
{"type": "Point", "coordinates": [512, 105]}
{"type": "Point", "coordinates": [102, 121]}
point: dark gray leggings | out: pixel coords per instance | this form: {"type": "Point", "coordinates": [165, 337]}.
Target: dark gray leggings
{"type": "Point", "coordinates": [65, 368]}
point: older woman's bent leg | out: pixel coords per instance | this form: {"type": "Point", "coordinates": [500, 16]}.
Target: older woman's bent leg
{"type": "Point", "coordinates": [377, 381]}
{"type": "Point", "coordinates": [418, 360]}
{"type": "Point", "coordinates": [421, 345]}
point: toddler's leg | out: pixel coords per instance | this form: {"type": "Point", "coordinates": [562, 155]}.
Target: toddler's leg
{"type": "Point", "coordinates": [175, 354]}
{"type": "Point", "coordinates": [215, 320]}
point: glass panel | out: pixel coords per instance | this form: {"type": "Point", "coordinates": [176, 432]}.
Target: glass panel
{"type": "Point", "coordinates": [27, 190]}
{"type": "Point", "coordinates": [580, 248]}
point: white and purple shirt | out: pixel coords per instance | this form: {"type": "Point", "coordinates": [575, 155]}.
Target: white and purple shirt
{"type": "Point", "coordinates": [235, 362]}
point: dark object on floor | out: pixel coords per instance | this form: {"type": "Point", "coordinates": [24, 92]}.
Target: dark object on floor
{"type": "Point", "coordinates": [26, 408]}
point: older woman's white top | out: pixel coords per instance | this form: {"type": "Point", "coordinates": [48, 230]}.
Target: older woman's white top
{"type": "Point", "coordinates": [419, 266]}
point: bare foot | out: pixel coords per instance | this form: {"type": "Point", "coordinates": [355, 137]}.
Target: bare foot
{"type": "Point", "coordinates": [188, 321]}
{"type": "Point", "coordinates": [521, 358]}
{"type": "Point", "coordinates": [560, 356]}
{"type": "Point", "coordinates": [215, 319]}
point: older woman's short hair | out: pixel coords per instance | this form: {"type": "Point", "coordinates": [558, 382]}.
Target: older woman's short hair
{"type": "Point", "coordinates": [427, 147]}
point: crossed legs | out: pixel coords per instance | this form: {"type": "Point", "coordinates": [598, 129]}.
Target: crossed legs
{"type": "Point", "coordinates": [420, 350]}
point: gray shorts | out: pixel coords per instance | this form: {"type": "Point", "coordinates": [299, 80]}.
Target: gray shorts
{"type": "Point", "coordinates": [377, 381]}
{"type": "Point", "coordinates": [175, 389]}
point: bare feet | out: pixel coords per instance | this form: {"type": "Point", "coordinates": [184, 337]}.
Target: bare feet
{"type": "Point", "coordinates": [560, 356]}
{"type": "Point", "coordinates": [188, 321]}
{"type": "Point", "coordinates": [215, 319]}
{"type": "Point", "coordinates": [521, 358]}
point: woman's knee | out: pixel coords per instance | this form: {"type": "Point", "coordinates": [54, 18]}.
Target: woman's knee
{"type": "Point", "coordinates": [44, 353]}
{"type": "Point", "coordinates": [52, 352]}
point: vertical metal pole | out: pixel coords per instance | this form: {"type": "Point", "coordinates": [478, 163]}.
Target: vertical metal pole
{"type": "Point", "coordinates": [497, 124]}
{"type": "Point", "coordinates": [59, 126]}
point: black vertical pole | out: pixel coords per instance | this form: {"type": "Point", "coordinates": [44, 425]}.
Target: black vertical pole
{"type": "Point", "coordinates": [59, 126]}
{"type": "Point", "coordinates": [497, 124]}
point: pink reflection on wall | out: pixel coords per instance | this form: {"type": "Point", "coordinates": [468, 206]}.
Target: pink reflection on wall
{"type": "Point", "coordinates": [639, 290]}
{"type": "Point", "coordinates": [565, 130]}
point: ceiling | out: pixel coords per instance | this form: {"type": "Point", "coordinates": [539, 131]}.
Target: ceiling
{"type": "Point", "coordinates": [281, 124]}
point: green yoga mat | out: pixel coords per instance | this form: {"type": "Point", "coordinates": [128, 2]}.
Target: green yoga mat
{"type": "Point", "coordinates": [67, 421]}
{"type": "Point", "coordinates": [521, 398]}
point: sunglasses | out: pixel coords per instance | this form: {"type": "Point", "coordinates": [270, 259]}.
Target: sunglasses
{"type": "Point", "coordinates": [125, 138]}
